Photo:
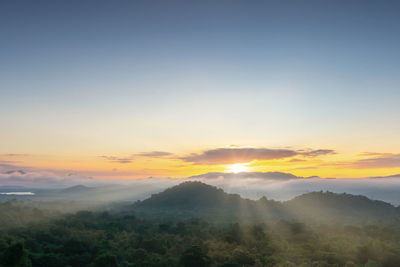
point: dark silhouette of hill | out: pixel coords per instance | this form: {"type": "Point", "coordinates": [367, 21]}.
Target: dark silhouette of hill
{"type": "Point", "coordinates": [341, 208]}
{"type": "Point", "coordinates": [189, 195]}
{"type": "Point", "coordinates": [199, 199]}
{"type": "Point", "coordinates": [76, 189]}
{"type": "Point", "coordinates": [202, 200]}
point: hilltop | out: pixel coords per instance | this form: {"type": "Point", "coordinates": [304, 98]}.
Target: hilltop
{"type": "Point", "coordinates": [76, 189]}
{"type": "Point", "coordinates": [201, 200]}
{"type": "Point", "coordinates": [344, 207]}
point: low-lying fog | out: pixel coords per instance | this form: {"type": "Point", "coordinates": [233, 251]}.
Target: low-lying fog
{"type": "Point", "coordinates": [253, 185]}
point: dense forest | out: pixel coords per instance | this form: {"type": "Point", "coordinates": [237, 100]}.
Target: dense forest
{"type": "Point", "coordinates": [180, 227]}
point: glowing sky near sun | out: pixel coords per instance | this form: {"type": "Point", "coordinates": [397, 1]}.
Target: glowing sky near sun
{"type": "Point", "coordinates": [171, 88]}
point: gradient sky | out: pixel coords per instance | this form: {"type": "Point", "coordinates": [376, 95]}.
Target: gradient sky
{"type": "Point", "coordinates": [102, 87]}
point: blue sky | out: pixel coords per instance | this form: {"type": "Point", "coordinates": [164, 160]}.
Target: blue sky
{"type": "Point", "coordinates": [118, 77]}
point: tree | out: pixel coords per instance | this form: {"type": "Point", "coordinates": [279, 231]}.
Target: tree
{"type": "Point", "coordinates": [16, 255]}
{"type": "Point", "coordinates": [243, 257]}
{"type": "Point", "coordinates": [194, 257]}
{"type": "Point", "coordinates": [105, 260]}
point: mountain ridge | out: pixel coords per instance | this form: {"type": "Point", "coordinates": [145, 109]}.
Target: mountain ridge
{"type": "Point", "coordinates": [200, 199]}
{"type": "Point", "coordinates": [266, 175]}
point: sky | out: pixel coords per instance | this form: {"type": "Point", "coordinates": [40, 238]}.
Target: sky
{"type": "Point", "coordinates": [132, 89]}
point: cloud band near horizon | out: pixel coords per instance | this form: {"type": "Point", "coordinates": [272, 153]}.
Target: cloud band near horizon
{"type": "Point", "coordinates": [242, 155]}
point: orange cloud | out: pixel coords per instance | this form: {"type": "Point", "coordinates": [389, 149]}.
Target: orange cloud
{"type": "Point", "coordinates": [239, 155]}
{"type": "Point", "coordinates": [118, 159]}
{"type": "Point", "coordinates": [379, 161]}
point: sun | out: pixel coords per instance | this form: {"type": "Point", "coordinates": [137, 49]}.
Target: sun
{"type": "Point", "coordinates": [238, 167]}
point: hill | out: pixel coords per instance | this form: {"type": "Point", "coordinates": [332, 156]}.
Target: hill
{"type": "Point", "coordinates": [202, 200]}
{"type": "Point", "coordinates": [189, 195]}
{"type": "Point", "coordinates": [76, 189]}
{"type": "Point", "coordinates": [199, 199]}
{"type": "Point", "coordinates": [341, 208]}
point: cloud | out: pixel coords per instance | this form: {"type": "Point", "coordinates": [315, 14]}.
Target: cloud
{"type": "Point", "coordinates": [23, 176]}
{"type": "Point", "coordinates": [241, 155]}
{"type": "Point", "coordinates": [16, 155]}
{"type": "Point", "coordinates": [305, 168]}
{"type": "Point", "coordinates": [154, 154]}
{"type": "Point", "coordinates": [253, 185]}
{"type": "Point", "coordinates": [6, 163]}
{"type": "Point", "coordinates": [373, 154]}
{"type": "Point", "coordinates": [318, 152]}
{"type": "Point", "coordinates": [284, 186]}
{"type": "Point", "coordinates": [245, 175]}
{"type": "Point", "coordinates": [379, 161]}
{"type": "Point", "coordinates": [124, 160]}
{"type": "Point", "coordinates": [6, 166]}
{"type": "Point", "coordinates": [118, 159]}
{"type": "Point", "coordinates": [297, 160]}
{"type": "Point", "coordinates": [21, 172]}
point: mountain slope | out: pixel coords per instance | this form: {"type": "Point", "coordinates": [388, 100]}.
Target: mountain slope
{"type": "Point", "coordinates": [341, 208]}
{"type": "Point", "coordinates": [202, 200]}
{"type": "Point", "coordinates": [189, 195]}
{"type": "Point", "coordinates": [76, 189]}
{"type": "Point", "coordinates": [199, 199]}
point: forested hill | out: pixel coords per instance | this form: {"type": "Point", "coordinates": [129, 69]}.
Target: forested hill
{"type": "Point", "coordinates": [342, 208]}
{"type": "Point", "coordinates": [201, 200]}
{"type": "Point", "coordinates": [206, 201]}
{"type": "Point", "coordinates": [190, 195]}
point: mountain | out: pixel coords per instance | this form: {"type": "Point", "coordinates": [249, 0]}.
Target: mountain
{"type": "Point", "coordinates": [201, 200]}
{"type": "Point", "coordinates": [341, 208]}
{"type": "Point", "coordinates": [76, 189]}
{"type": "Point", "coordinates": [189, 195]}
{"type": "Point", "coordinates": [241, 175]}
{"type": "Point", "coordinates": [285, 186]}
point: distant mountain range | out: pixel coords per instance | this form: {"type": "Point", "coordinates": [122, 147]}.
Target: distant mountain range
{"type": "Point", "coordinates": [197, 199]}
{"type": "Point", "coordinates": [266, 175]}
{"type": "Point", "coordinates": [76, 189]}
{"type": "Point", "coordinates": [253, 185]}
{"type": "Point", "coordinates": [284, 186]}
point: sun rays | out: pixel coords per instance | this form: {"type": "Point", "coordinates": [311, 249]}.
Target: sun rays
{"type": "Point", "coordinates": [238, 167]}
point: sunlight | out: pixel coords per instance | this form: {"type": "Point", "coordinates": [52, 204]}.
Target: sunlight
{"type": "Point", "coordinates": [238, 167]}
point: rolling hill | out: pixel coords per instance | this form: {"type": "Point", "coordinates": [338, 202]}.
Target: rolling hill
{"type": "Point", "coordinates": [201, 200]}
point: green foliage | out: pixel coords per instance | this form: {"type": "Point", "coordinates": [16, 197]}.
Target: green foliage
{"type": "Point", "coordinates": [98, 239]}
{"type": "Point", "coordinates": [15, 255]}
{"type": "Point", "coordinates": [128, 238]}
{"type": "Point", "coordinates": [194, 256]}
{"type": "Point", "coordinates": [329, 207]}
{"type": "Point", "coordinates": [198, 199]}
{"type": "Point", "coordinates": [105, 260]}
{"type": "Point", "coordinates": [14, 214]}
{"type": "Point", "coordinates": [243, 257]}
